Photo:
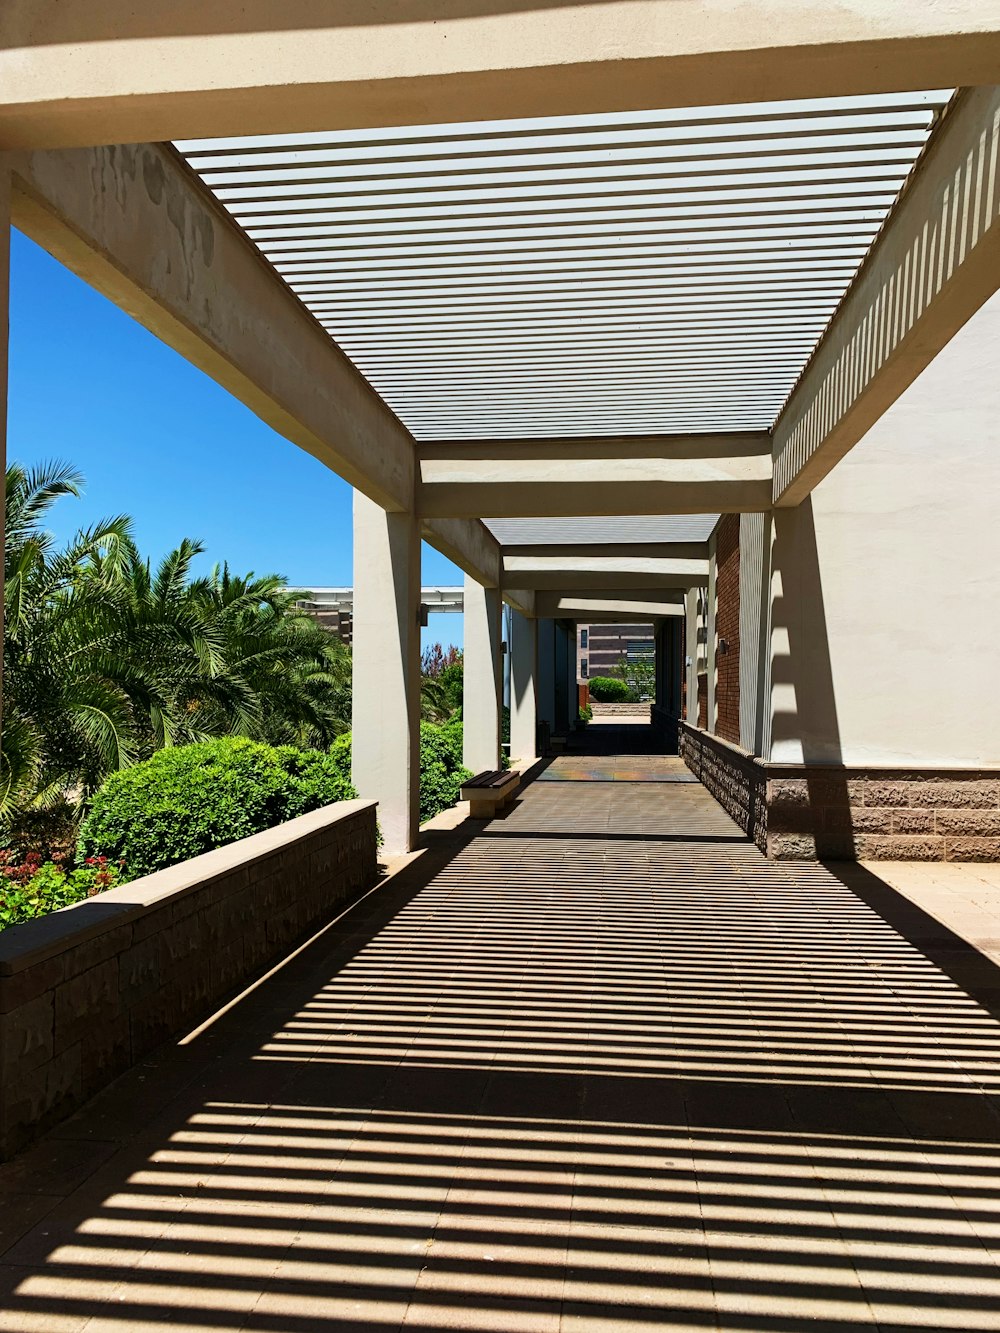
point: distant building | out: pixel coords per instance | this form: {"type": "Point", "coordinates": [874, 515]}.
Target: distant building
{"type": "Point", "coordinates": [599, 648]}
{"type": "Point", "coordinates": [334, 607]}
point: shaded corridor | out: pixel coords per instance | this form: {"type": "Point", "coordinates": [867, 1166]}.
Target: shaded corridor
{"type": "Point", "coordinates": [600, 1067]}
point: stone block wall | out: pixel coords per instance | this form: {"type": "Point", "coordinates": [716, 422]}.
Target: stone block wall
{"type": "Point", "coordinates": [619, 709]}
{"type": "Point", "coordinates": [735, 779]}
{"type": "Point", "coordinates": [801, 812]}
{"type": "Point", "coordinates": [86, 992]}
{"type": "Point", "coordinates": [868, 814]}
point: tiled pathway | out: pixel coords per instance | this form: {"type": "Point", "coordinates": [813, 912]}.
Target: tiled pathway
{"type": "Point", "coordinates": [601, 1067]}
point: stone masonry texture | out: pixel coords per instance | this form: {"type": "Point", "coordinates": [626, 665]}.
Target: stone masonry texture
{"type": "Point", "coordinates": [87, 992]}
{"type": "Point", "coordinates": [801, 812]}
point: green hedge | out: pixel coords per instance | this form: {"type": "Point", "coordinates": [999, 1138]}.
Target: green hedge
{"type": "Point", "coordinates": [441, 770]}
{"type": "Point", "coordinates": [608, 689]}
{"type": "Point", "coordinates": [192, 798]}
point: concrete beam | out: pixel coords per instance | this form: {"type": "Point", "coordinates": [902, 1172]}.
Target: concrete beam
{"type": "Point", "coordinates": [521, 599]}
{"type": "Point", "coordinates": [586, 573]}
{"type": "Point", "coordinates": [692, 474]}
{"type": "Point", "coordinates": [137, 225]}
{"type": "Point", "coordinates": [77, 73]}
{"type": "Point", "coordinates": [468, 544]}
{"type": "Point", "coordinates": [629, 608]}
{"type": "Point", "coordinates": [935, 263]}
{"type": "Point", "coordinates": [569, 554]}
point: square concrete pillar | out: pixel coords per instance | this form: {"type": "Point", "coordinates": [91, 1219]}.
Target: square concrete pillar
{"type": "Point", "coordinates": [691, 649]}
{"type": "Point", "coordinates": [523, 687]}
{"type": "Point", "coordinates": [565, 703]}
{"type": "Point", "coordinates": [385, 744]}
{"type": "Point", "coordinates": [710, 645]}
{"type": "Point", "coordinates": [661, 662]}
{"type": "Point", "coordinates": [483, 677]}
{"type": "Point", "coordinates": [546, 689]}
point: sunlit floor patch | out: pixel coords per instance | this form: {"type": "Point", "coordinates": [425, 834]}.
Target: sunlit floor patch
{"type": "Point", "coordinates": [604, 1069]}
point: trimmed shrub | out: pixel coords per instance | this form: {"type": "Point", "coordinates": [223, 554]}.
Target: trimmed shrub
{"type": "Point", "coordinates": [441, 770]}
{"type": "Point", "coordinates": [586, 714]}
{"type": "Point", "coordinates": [608, 689]}
{"type": "Point", "coordinates": [192, 798]}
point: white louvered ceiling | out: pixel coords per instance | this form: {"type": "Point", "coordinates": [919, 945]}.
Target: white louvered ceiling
{"type": "Point", "coordinates": [646, 273]}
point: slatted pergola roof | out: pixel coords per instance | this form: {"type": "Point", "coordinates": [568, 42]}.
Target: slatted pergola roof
{"type": "Point", "coordinates": [655, 272]}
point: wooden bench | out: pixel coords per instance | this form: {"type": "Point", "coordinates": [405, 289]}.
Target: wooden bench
{"type": "Point", "coordinates": [489, 792]}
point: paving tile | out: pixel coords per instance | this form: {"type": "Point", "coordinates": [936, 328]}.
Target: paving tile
{"type": "Point", "coordinates": [602, 1067]}
{"type": "Point", "coordinates": [19, 1213]}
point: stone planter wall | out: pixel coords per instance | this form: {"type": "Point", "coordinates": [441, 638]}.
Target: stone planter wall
{"type": "Point", "coordinates": [620, 710]}
{"type": "Point", "coordinates": [736, 780]}
{"type": "Point", "coordinates": [87, 991]}
{"type": "Point", "coordinates": [807, 812]}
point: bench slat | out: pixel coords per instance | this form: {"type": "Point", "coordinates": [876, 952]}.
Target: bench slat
{"type": "Point", "coordinates": [497, 778]}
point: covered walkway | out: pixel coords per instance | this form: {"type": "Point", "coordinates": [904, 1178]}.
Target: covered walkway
{"type": "Point", "coordinates": [598, 1065]}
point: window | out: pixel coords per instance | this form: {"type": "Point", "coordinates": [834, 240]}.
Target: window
{"type": "Point", "coordinates": [584, 635]}
{"type": "Point", "coordinates": [583, 668]}
{"type": "Point", "coordinates": [640, 650]}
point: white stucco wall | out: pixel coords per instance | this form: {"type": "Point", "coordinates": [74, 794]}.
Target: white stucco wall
{"type": "Point", "coordinates": [885, 634]}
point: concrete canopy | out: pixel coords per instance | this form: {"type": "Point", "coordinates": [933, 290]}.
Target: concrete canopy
{"type": "Point", "coordinates": [79, 73]}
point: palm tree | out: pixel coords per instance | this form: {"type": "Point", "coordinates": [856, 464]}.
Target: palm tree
{"type": "Point", "coordinates": [286, 678]}
{"type": "Point", "coordinates": [106, 660]}
{"type": "Point", "coordinates": [66, 719]}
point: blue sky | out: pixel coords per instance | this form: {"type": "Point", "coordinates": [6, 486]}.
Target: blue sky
{"type": "Point", "coordinates": [159, 440]}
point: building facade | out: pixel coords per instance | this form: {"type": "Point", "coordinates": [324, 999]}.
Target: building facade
{"type": "Point", "coordinates": [599, 648]}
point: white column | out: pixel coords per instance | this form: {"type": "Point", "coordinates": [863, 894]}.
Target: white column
{"type": "Point", "coordinates": [523, 687]}
{"type": "Point", "coordinates": [4, 334]}
{"type": "Point", "coordinates": [545, 695]}
{"type": "Point", "coordinates": [566, 699]}
{"type": "Point", "coordinates": [483, 677]}
{"type": "Point", "coordinates": [660, 662]}
{"type": "Point", "coordinates": [385, 745]}
{"type": "Point", "coordinates": [691, 655]}
{"type": "Point", "coordinates": [710, 648]}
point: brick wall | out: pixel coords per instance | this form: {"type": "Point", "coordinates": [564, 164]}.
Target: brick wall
{"type": "Point", "coordinates": [727, 627]}
{"type": "Point", "coordinates": [702, 699]}
{"type": "Point", "coordinates": [86, 992]}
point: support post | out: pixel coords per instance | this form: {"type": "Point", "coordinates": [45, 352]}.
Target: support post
{"type": "Point", "coordinates": [660, 662]}
{"type": "Point", "coordinates": [565, 680]}
{"type": "Point", "coordinates": [711, 665]}
{"type": "Point", "coordinates": [545, 701]}
{"type": "Point", "coordinates": [483, 677]}
{"type": "Point", "coordinates": [523, 687]}
{"type": "Point", "coordinates": [385, 753]}
{"type": "Point", "coordinates": [691, 654]}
